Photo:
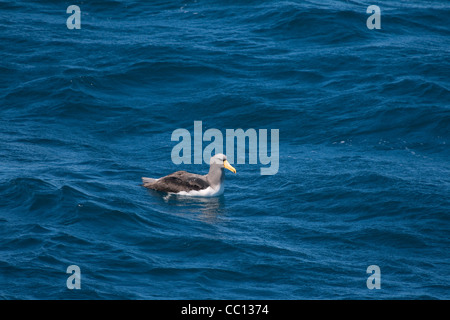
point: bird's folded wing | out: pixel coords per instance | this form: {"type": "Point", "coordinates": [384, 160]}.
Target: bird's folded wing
{"type": "Point", "coordinates": [180, 181]}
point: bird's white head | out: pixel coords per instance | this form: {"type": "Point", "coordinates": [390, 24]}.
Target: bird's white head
{"type": "Point", "coordinates": [221, 160]}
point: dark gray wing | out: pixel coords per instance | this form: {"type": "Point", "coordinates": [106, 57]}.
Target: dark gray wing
{"type": "Point", "coordinates": [179, 181]}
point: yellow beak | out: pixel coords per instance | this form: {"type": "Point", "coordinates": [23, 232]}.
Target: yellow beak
{"type": "Point", "coordinates": [227, 165]}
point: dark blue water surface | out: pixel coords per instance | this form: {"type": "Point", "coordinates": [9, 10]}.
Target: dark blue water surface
{"type": "Point", "coordinates": [364, 134]}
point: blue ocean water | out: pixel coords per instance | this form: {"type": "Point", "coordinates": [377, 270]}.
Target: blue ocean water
{"type": "Point", "coordinates": [364, 133]}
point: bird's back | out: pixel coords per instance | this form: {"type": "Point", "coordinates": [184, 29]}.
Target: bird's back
{"type": "Point", "coordinates": [177, 182]}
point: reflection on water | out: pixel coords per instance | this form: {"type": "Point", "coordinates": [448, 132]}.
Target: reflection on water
{"type": "Point", "coordinates": [206, 209]}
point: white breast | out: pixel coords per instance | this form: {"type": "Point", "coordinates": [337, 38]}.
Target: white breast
{"type": "Point", "coordinates": [208, 192]}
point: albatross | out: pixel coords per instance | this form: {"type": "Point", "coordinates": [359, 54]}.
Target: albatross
{"type": "Point", "coordinates": [185, 183]}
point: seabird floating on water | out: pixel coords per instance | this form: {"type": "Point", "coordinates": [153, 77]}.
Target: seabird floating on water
{"type": "Point", "coordinates": [185, 183]}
